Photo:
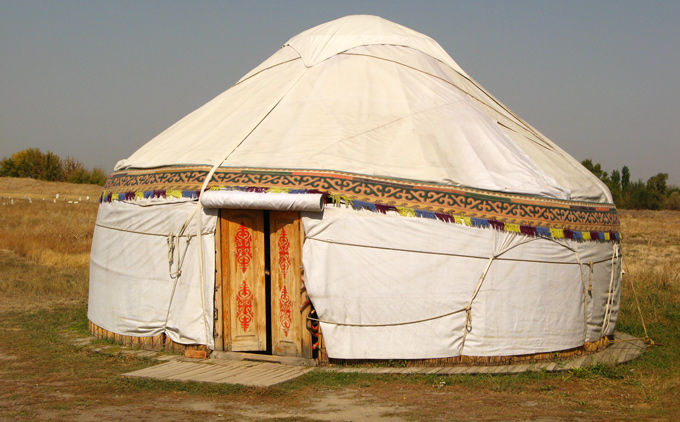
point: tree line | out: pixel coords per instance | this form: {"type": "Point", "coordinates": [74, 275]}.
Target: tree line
{"type": "Point", "coordinates": [49, 166]}
{"type": "Point", "coordinates": [655, 194]}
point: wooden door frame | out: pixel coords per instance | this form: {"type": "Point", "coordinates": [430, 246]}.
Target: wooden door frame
{"type": "Point", "coordinates": [221, 306]}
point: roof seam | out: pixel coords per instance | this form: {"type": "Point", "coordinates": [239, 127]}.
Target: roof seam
{"type": "Point", "coordinates": [268, 68]}
{"type": "Point", "coordinates": [526, 125]}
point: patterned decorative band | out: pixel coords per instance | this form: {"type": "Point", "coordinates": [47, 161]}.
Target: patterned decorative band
{"type": "Point", "coordinates": [511, 209]}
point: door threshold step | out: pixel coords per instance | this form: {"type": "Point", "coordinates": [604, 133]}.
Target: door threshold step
{"type": "Point", "coordinates": [286, 360]}
{"type": "Point", "coordinates": [259, 374]}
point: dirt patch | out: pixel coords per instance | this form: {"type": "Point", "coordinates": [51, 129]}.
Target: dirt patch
{"type": "Point", "coordinates": [331, 406]}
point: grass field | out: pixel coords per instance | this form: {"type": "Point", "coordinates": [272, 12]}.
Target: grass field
{"type": "Point", "coordinates": [43, 293]}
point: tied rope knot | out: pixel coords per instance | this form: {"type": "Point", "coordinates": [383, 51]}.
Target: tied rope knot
{"type": "Point", "coordinates": [468, 308]}
{"type": "Point", "coordinates": [468, 318]}
{"type": "Point", "coordinates": [173, 244]}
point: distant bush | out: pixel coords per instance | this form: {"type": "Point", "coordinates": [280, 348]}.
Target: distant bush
{"type": "Point", "coordinates": [673, 201]}
{"type": "Point", "coordinates": [48, 166]}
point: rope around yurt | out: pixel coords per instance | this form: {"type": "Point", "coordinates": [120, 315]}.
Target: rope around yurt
{"type": "Point", "coordinates": [616, 253]}
{"type": "Point", "coordinates": [647, 339]}
{"type": "Point", "coordinates": [468, 308]}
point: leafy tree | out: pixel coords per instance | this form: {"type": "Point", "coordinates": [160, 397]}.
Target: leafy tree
{"type": "Point", "coordinates": [656, 187]}
{"type": "Point", "coordinates": [614, 186]}
{"type": "Point", "coordinates": [7, 167]}
{"type": "Point", "coordinates": [654, 194]}
{"type": "Point", "coordinates": [638, 196]}
{"type": "Point", "coordinates": [596, 169]}
{"type": "Point", "coordinates": [97, 177]}
{"type": "Point", "coordinates": [625, 178]}
{"type": "Point", "coordinates": [658, 183]}
{"type": "Point", "coordinates": [73, 170]}
{"type": "Point", "coordinates": [673, 201]}
{"type": "Point", "coordinates": [48, 166]}
{"type": "Point", "coordinates": [51, 168]}
{"type": "Point", "coordinates": [615, 179]}
{"type": "Point", "coordinates": [28, 163]}
{"type": "Point", "coordinates": [79, 176]}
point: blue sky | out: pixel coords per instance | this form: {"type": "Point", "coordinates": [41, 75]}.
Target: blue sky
{"type": "Point", "coordinates": [97, 79]}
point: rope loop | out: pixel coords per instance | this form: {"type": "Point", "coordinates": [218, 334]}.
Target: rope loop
{"type": "Point", "coordinates": [468, 318]}
{"type": "Point", "coordinates": [174, 245]}
{"type": "Point", "coordinates": [172, 240]}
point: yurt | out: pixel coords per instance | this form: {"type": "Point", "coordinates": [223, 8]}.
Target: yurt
{"type": "Point", "coordinates": [357, 196]}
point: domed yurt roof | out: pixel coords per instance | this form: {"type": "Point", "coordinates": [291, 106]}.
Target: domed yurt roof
{"type": "Point", "coordinates": [366, 96]}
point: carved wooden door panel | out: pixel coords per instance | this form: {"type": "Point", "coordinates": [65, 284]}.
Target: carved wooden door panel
{"type": "Point", "coordinates": [245, 303]}
{"type": "Point", "coordinates": [286, 272]}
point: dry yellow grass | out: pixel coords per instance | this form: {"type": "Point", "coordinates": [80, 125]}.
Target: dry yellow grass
{"type": "Point", "coordinates": [651, 252]}
{"type": "Point", "coordinates": [27, 285]}
{"type": "Point", "coordinates": [18, 188]}
{"type": "Point", "coordinates": [651, 238]}
{"type": "Point", "coordinates": [51, 234]}
{"type": "Point", "coordinates": [45, 246]}
{"type": "Point", "coordinates": [48, 233]}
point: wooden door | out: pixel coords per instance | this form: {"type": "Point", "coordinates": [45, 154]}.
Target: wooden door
{"type": "Point", "coordinates": [286, 272]}
{"type": "Point", "coordinates": [244, 295]}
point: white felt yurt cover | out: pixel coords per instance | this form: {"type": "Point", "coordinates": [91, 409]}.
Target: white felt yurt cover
{"type": "Point", "coordinates": [461, 230]}
{"type": "Point", "coordinates": [368, 96]}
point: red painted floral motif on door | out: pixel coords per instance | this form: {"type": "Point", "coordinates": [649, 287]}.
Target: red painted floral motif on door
{"type": "Point", "coordinates": [285, 305]}
{"type": "Point", "coordinates": [244, 249]}
{"type": "Point", "coordinates": [244, 306]}
{"type": "Point", "coordinates": [284, 253]}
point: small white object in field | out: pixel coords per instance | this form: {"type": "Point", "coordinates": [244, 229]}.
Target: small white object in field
{"type": "Point", "coordinates": [11, 201]}
{"type": "Point", "coordinates": [70, 202]}
{"type": "Point", "coordinates": [88, 198]}
{"type": "Point", "coordinates": [75, 202]}
{"type": "Point", "coordinates": [54, 201]}
{"type": "Point", "coordinates": [57, 196]}
{"type": "Point", "coordinates": [80, 198]}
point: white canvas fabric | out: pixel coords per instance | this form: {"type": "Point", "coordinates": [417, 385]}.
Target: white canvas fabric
{"type": "Point", "coordinates": [314, 45]}
{"type": "Point", "coordinates": [262, 201]}
{"type": "Point", "coordinates": [379, 273]}
{"type": "Point", "coordinates": [132, 291]}
{"type": "Point", "coordinates": [341, 94]}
